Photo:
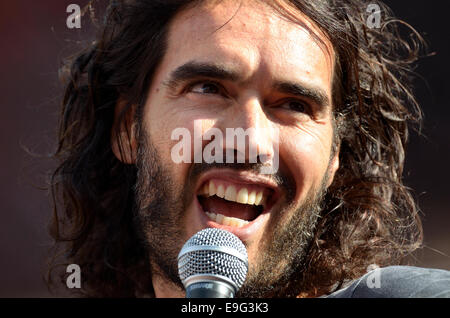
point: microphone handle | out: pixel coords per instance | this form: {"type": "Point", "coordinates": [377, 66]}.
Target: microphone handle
{"type": "Point", "coordinates": [209, 289]}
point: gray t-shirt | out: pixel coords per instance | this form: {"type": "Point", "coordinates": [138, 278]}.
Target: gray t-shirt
{"type": "Point", "coordinates": [398, 282]}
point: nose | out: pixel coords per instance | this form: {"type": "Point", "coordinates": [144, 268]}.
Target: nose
{"type": "Point", "coordinates": [250, 136]}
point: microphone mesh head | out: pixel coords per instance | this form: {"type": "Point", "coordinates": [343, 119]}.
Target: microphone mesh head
{"type": "Point", "coordinates": [214, 252]}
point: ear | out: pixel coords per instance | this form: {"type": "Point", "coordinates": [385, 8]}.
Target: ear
{"type": "Point", "coordinates": [333, 167]}
{"type": "Point", "coordinates": [123, 132]}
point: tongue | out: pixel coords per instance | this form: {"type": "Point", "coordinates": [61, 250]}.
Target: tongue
{"type": "Point", "coordinates": [217, 205]}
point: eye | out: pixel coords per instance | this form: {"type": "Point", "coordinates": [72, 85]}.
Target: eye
{"type": "Point", "coordinates": [205, 88]}
{"type": "Point", "coordinates": [296, 106]}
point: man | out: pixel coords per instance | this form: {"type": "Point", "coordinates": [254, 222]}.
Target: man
{"type": "Point", "coordinates": [329, 102]}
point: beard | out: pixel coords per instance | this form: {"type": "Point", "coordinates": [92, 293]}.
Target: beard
{"type": "Point", "coordinates": [159, 220]}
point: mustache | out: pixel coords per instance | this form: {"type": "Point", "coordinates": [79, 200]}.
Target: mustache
{"type": "Point", "coordinates": [284, 181]}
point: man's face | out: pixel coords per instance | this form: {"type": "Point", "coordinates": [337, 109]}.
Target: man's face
{"type": "Point", "coordinates": [232, 65]}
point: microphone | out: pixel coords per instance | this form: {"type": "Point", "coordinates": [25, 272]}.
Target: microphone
{"type": "Point", "coordinates": [213, 263]}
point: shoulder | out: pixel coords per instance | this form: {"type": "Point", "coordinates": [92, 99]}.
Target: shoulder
{"type": "Point", "coordinates": [398, 282]}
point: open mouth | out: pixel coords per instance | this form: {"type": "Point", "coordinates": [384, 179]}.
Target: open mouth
{"type": "Point", "coordinates": [233, 204]}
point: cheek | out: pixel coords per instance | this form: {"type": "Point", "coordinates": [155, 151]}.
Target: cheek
{"type": "Point", "coordinates": [306, 154]}
{"type": "Point", "coordinates": [163, 122]}
{"type": "Point", "coordinates": [159, 125]}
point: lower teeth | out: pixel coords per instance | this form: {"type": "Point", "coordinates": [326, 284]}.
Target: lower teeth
{"type": "Point", "coordinates": [225, 220]}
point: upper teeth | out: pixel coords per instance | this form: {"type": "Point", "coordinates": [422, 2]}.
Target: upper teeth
{"type": "Point", "coordinates": [230, 193]}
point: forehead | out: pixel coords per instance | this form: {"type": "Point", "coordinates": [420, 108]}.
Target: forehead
{"type": "Point", "coordinates": [253, 37]}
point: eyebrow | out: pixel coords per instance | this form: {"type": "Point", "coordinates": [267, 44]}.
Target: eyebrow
{"type": "Point", "coordinates": [315, 94]}
{"type": "Point", "coordinates": [192, 70]}
{"type": "Point", "coordinates": [195, 69]}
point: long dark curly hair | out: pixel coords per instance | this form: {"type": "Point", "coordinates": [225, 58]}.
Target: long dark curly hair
{"type": "Point", "coordinates": [370, 216]}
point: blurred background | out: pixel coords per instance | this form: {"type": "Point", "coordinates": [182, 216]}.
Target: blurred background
{"type": "Point", "coordinates": [35, 39]}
